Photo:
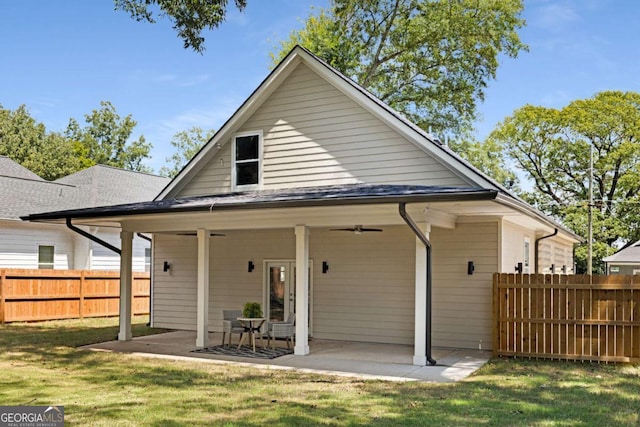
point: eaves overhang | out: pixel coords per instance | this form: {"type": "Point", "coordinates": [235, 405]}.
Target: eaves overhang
{"type": "Point", "coordinates": [525, 208]}
{"type": "Point", "coordinates": [339, 195]}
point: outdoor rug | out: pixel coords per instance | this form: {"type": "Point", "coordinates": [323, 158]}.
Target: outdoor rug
{"type": "Point", "coordinates": [244, 351]}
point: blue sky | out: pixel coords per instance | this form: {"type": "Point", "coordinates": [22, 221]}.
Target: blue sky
{"type": "Point", "coordinates": [62, 58]}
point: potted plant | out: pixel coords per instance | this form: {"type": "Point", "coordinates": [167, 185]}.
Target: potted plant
{"type": "Point", "coordinates": [252, 310]}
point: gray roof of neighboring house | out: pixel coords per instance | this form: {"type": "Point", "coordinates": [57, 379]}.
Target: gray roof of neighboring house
{"type": "Point", "coordinates": [630, 254]}
{"type": "Point", "coordinates": [308, 196]}
{"type": "Point", "coordinates": [24, 193]}
{"type": "Point", "coordinates": [107, 185]}
{"type": "Point", "coordinates": [10, 168]}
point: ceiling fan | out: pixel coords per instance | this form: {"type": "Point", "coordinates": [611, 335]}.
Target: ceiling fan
{"type": "Point", "coordinates": [357, 229]}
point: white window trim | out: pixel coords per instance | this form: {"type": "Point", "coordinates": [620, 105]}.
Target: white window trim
{"type": "Point", "coordinates": [53, 264]}
{"type": "Point", "coordinates": [257, 186]}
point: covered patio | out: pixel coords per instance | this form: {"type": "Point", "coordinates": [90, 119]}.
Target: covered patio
{"type": "Point", "coordinates": [369, 361]}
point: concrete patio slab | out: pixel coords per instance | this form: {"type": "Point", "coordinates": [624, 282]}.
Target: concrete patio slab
{"type": "Point", "coordinates": [344, 358]}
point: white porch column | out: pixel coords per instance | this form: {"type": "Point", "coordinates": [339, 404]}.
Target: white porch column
{"type": "Point", "coordinates": [302, 291]}
{"type": "Point", "coordinates": [126, 284]}
{"type": "Point", "coordinates": [420, 327]}
{"type": "Point", "coordinates": [202, 312]}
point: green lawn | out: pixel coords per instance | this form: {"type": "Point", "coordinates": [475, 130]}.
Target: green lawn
{"type": "Point", "coordinates": [39, 365]}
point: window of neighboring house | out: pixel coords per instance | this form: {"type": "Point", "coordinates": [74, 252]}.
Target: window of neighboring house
{"type": "Point", "coordinates": [147, 259]}
{"type": "Point", "coordinates": [525, 264]}
{"type": "Point", "coordinates": [247, 160]}
{"type": "Point", "coordinates": [45, 256]}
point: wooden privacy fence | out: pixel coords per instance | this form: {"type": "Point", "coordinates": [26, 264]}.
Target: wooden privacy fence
{"type": "Point", "coordinates": [577, 317]}
{"type": "Point", "coordinates": [30, 295]}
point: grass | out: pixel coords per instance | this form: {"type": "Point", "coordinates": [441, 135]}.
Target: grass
{"type": "Point", "coordinates": [40, 365]}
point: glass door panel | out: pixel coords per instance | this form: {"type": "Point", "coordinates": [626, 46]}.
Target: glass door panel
{"type": "Point", "coordinates": [278, 292]}
{"type": "Point", "coordinates": [281, 291]}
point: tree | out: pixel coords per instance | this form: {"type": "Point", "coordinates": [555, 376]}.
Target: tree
{"type": "Point", "coordinates": [27, 142]}
{"type": "Point", "coordinates": [187, 143]}
{"type": "Point", "coordinates": [105, 140]}
{"type": "Point", "coordinates": [429, 59]}
{"type": "Point", "coordinates": [189, 17]}
{"type": "Point", "coordinates": [486, 156]}
{"type": "Point", "coordinates": [552, 147]}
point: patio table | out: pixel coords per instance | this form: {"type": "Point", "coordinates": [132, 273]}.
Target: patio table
{"type": "Point", "coordinates": [251, 326]}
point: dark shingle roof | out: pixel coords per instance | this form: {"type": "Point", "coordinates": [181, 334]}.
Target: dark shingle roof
{"type": "Point", "coordinates": [349, 194]}
{"type": "Point", "coordinates": [23, 194]}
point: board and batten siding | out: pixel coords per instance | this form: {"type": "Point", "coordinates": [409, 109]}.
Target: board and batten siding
{"type": "Point", "coordinates": [19, 244]}
{"type": "Point", "coordinates": [462, 303]}
{"type": "Point", "coordinates": [316, 135]}
{"type": "Point", "coordinates": [366, 296]}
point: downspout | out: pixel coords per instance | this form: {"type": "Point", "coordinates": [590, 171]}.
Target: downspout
{"type": "Point", "coordinates": [423, 238]}
{"type": "Point", "coordinates": [537, 250]}
{"type": "Point", "coordinates": [142, 236]}
{"type": "Point", "coordinates": [92, 237]}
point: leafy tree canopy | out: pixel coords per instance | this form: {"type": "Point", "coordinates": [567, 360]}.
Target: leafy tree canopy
{"type": "Point", "coordinates": [188, 17]}
{"type": "Point", "coordinates": [487, 156]}
{"type": "Point", "coordinates": [429, 59]}
{"type": "Point", "coordinates": [105, 140]}
{"type": "Point", "coordinates": [187, 143]}
{"type": "Point", "coordinates": [552, 147]}
{"type": "Point", "coordinates": [27, 142]}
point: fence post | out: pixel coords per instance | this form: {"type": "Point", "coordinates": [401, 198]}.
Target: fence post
{"type": "Point", "coordinates": [496, 314]}
{"type": "Point", "coordinates": [3, 279]}
{"type": "Point", "coordinates": [81, 303]}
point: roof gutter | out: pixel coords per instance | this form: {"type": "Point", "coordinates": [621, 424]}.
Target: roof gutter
{"type": "Point", "coordinates": [537, 248]}
{"type": "Point", "coordinates": [92, 237]}
{"type": "Point", "coordinates": [527, 209]}
{"type": "Point", "coordinates": [321, 201]}
{"type": "Point", "coordinates": [423, 238]}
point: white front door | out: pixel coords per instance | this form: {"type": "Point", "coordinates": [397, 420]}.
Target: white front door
{"type": "Point", "coordinates": [280, 290]}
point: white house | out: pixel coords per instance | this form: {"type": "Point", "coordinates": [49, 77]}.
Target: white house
{"type": "Point", "coordinates": [316, 197]}
{"type": "Point", "coordinates": [33, 245]}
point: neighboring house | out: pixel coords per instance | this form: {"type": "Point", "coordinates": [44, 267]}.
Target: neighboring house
{"type": "Point", "coordinates": [282, 189]}
{"type": "Point", "coordinates": [626, 261]}
{"type": "Point", "coordinates": [38, 245]}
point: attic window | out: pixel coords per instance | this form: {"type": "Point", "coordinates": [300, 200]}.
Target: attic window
{"type": "Point", "coordinates": [247, 160]}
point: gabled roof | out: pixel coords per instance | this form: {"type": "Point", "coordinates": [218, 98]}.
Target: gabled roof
{"type": "Point", "coordinates": [106, 185]}
{"type": "Point", "coordinates": [10, 168]}
{"type": "Point", "coordinates": [630, 254]}
{"type": "Point", "coordinates": [23, 193]}
{"type": "Point", "coordinates": [474, 178]}
{"type": "Point", "coordinates": [361, 96]}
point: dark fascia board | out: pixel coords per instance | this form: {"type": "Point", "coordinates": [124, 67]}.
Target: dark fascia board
{"type": "Point", "coordinates": [184, 206]}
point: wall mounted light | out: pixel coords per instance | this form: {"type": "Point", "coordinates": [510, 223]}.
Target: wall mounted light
{"type": "Point", "coordinates": [470, 267]}
{"type": "Point", "coordinates": [519, 268]}
{"type": "Point", "coordinates": [166, 266]}
{"type": "Point", "coordinates": [553, 269]}
{"type": "Point", "coordinates": [325, 267]}
{"type": "Point", "coordinates": [250, 266]}
{"type": "Point", "coordinates": [564, 269]}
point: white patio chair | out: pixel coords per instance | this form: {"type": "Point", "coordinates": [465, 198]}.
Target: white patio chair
{"type": "Point", "coordinates": [285, 330]}
{"type": "Point", "coordinates": [230, 324]}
